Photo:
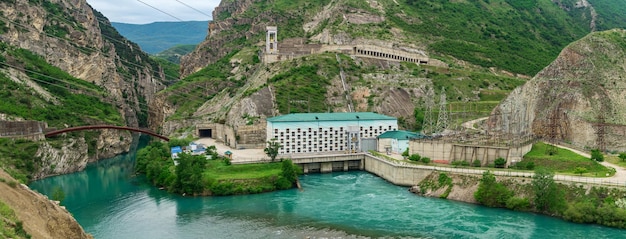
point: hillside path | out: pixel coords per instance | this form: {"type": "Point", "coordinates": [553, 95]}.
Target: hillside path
{"type": "Point", "coordinates": [620, 173]}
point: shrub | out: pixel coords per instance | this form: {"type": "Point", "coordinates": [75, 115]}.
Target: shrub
{"type": "Point", "coordinates": [415, 157]}
{"type": "Point", "coordinates": [500, 162]}
{"type": "Point", "coordinates": [518, 204]}
{"type": "Point", "coordinates": [283, 183]}
{"type": "Point", "coordinates": [476, 163]}
{"type": "Point", "coordinates": [491, 193]}
{"type": "Point", "coordinates": [227, 161]}
{"type": "Point", "coordinates": [596, 155]}
{"type": "Point", "coordinates": [580, 170]}
{"type": "Point", "coordinates": [405, 153]}
{"type": "Point", "coordinates": [425, 160]}
{"type": "Point", "coordinates": [460, 163]}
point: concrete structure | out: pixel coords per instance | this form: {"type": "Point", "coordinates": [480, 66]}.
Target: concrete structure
{"type": "Point", "coordinates": [451, 151]}
{"type": "Point", "coordinates": [397, 174]}
{"type": "Point", "coordinates": [31, 130]}
{"type": "Point", "coordinates": [396, 141]}
{"type": "Point", "coordinates": [271, 40]}
{"type": "Point", "coordinates": [292, 48]}
{"type": "Point", "coordinates": [220, 132]}
{"type": "Point", "coordinates": [327, 132]}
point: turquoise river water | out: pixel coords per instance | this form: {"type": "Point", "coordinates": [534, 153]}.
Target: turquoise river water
{"type": "Point", "coordinates": [109, 201]}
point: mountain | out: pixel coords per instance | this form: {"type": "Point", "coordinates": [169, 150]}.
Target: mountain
{"type": "Point", "coordinates": [159, 36]}
{"type": "Point", "coordinates": [475, 52]}
{"type": "Point", "coordinates": [175, 53]}
{"type": "Point", "coordinates": [63, 63]}
{"type": "Point", "coordinates": [578, 98]}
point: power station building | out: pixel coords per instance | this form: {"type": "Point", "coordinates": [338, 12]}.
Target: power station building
{"type": "Point", "coordinates": [328, 132]}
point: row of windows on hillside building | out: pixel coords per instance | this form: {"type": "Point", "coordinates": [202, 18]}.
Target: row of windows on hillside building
{"type": "Point", "coordinates": [320, 132]}
{"type": "Point", "coordinates": [312, 148]}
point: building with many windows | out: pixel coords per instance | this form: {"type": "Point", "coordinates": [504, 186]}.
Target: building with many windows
{"type": "Point", "coordinates": [328, 132]}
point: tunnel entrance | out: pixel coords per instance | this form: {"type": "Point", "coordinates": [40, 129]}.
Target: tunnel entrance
{"type": "Point", "coordinates": [205, 133]}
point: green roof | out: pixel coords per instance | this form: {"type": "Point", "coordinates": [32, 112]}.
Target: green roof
{"type": "Point", "coordinates": [304, 117]}
{"type": "Point", "coordinates": [400, 134]}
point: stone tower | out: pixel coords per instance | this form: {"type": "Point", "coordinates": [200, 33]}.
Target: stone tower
{"type": "Point", "coordinates": [271, 42]}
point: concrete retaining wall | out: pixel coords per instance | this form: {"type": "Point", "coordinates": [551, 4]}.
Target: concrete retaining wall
{"type": "Point", "coordinates": [31, 130]}
{"type": "Point", "coordinates": [441, 150]}
{"type": "Point", "coordinates": [396, 174]}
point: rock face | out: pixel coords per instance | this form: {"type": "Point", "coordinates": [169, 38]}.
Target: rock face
{"type": "Point", "coordinates": [71, 36]}
{"type": "Point", "coordinates": [73, 154]}
{"type": "Point", "coordinates": [42, 218]}
{"type": "Point", "coordinates": [578, 98]}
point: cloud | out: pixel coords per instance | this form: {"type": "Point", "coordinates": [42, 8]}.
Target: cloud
{"type": "Point", "coordinates": [148, 11]}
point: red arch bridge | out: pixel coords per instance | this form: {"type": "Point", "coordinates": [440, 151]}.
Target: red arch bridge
{"type": "Point", "coordinates": [92, 127]}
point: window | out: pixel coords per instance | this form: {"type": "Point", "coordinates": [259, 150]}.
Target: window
{"type": "Point", "coordinates": [288, 130]}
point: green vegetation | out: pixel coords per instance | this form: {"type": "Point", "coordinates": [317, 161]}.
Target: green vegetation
{"type": "Point", "coordinates": [564, 161]}
{"type": "Point", "coordinates": [198, 175]}
{"type": "Point", "coordinates": [303, 88]}
{"type": "Point", "coordinates": [443, 180]}
{"type": "Point", "coordinates": [190, 93]}
{"type": "Point", "coordinates": [483, 33]}
{"type": "Point", "coordinates": [10, 226]}
{"type": "Point", "coordinates": [491, 193]}
{"type": "Point", "coordinates": [596, 155]}
{"type": "Point", "coordinates": [79, 101]}
{"type": "Point", "coordinates": [600, 205]}
{"type": "Point", "coordinates": [18, 158]}
{"type": "Point", "coordinates": [272, 149]}
{"type": "Point", "coordinates": [548, 197]}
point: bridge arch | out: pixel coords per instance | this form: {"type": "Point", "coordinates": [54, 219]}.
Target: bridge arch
{"type": "Point", "coordinates": [92, 127]}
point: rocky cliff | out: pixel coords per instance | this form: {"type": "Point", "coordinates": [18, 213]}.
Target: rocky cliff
{"type": "Point", "coordinates": [71, 36]}
{"type": "Point", "coordinates": [42, 218]}
{"type": "Point", "coordinates": [579, 98]}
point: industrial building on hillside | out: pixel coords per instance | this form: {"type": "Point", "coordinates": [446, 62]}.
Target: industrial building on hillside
{"type": "Point", "coordinates": [328, 132]}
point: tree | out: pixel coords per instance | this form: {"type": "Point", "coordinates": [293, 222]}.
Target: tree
{"type": "Point", "coordinates": [272, 149]}
{"type": "Point", "coordinates": [548, 197]}
{"type": "Point", "coordinates": [491, 193]}
{"type": "Point", "coordinates": [580, 170]}
{"type": "Point", "coordinates": [597, 155]}
{"type": "Point", "coordinates": [189, 174]}
{"type": "Point", "coordinates": [622, 156]}
{"type": "Point", "coordinates": [58, 194]}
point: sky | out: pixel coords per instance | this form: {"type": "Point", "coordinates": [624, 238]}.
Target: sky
{"type": "Point", "coordinates": [148, 11]}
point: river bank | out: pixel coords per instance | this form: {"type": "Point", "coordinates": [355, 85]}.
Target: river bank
{"type": "Point", "coordinates": [39, 217]}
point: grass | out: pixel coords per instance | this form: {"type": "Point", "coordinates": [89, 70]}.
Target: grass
{"type": "Point", "coordinates": [219, 171]}
{"type": "Point", "coordinates": [10, 226]}
{"type": "Point", "coordinates": [564, 161]}
{"type": "Point", "coordinates": [615, 160]}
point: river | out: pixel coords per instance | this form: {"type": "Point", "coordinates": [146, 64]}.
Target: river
{"type": "Point", "coordinates": [109, 201]}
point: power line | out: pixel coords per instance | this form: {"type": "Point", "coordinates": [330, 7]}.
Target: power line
{"type": "Point", "coordinates": [164, 12]}
{"type": "Point", "coordinates": [194, 8]}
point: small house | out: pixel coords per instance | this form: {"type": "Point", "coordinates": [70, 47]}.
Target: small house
{"type": "Point", "coordinates": [396, 141]}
